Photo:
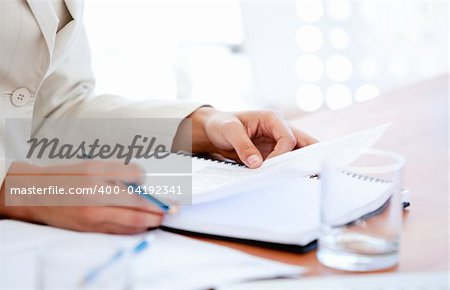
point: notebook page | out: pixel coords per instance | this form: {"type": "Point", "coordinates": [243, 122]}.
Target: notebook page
{"type": "Point", "coordinates": [212, 180]}
{"type": "Point", "coordinates": [310, 158]}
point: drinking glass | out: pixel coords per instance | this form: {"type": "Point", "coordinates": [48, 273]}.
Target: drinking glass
{"type": "Point", "coordinates": [361, 210]}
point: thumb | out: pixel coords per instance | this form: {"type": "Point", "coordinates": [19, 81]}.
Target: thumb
{"type": "Point", "coordinates": [244, 147]}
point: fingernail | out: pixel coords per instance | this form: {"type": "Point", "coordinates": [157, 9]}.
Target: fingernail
{"type": "Point", "coordinates": [253, 160]}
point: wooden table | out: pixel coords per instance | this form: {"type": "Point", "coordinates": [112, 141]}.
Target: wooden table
{"type": "Point", "coordinates": [419, 131]}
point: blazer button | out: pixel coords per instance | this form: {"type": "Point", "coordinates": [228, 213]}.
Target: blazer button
{"type": "Point", "coordinates": [20, 97]}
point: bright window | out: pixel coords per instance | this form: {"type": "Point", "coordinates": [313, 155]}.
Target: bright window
{"type": "Point", "coordinates": [169, 50]}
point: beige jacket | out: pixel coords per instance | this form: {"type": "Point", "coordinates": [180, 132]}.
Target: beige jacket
{"type": "Point", "coordinates": [45, 73]}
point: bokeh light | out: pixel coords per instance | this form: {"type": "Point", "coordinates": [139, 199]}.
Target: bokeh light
{"type": "Point", "coordinates": [309, 38]}
{"type": "Point", "coordinates": [338, 38]}
{"type": "Point", "coordinates": [309, 67]}
{"type": "Point", "coordinates": [309, 97]}
{"type": "Point", "coordinates": [338, 68]}
{"type": "Point", "coordinates": [309, 10]}
{"type": "Point", "coordinates": [338, 96]}
{"type": "Point", "coordinates": [339, 9]}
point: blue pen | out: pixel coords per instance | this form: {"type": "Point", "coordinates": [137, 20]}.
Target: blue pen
{"type": "Point", "coordinates": [164, 207]}
{"type": "Point", "coordinates": [95, 272]}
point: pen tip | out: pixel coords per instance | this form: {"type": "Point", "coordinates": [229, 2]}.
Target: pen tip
{"type": "Point", "coordinates": [173, 210]}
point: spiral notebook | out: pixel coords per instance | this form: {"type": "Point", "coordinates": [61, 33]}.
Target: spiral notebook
{"type": "Point", "coordinates": [277, 205]}
{"type": "Point", "coordinates": [213, 180]}
{"type": "Point", "coordinates": [283, 215]}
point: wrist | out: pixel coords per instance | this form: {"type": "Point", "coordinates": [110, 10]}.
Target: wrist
{"type": "Point", "coordinates": [200, 140]}
{"type": "Point", "coordinates": [24, 213]}
{"type": "Point", "coordinates": [191, 134]}
{"type": "Point", "coordinates": [11, 212]}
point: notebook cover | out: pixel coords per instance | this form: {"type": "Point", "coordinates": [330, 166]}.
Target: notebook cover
{"type": "Point", "coordinates": [268, 245]}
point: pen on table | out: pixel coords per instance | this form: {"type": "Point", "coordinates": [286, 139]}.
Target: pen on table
{"type": "Point", "coordinates": [92, 274]}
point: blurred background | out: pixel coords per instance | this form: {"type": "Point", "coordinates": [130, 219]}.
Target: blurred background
{"type": "Point", "coordinates": [297, 57]}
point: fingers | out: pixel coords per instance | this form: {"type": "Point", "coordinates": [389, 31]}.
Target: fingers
{"type": "Point", "coordinates": [145, 206]}
{"type": "Point", "coordinates": [254, 136]}
{"type": "Point", "coordinates": [101, 219]}
{"type": "Point", "coordinates": [128, 217]}
{"type": "Point", "coordinates": [110, 228]}
{"type": "Point", "coordinates": [110, 219]}
{"type": "Point", "coordinates": [98, 219]}
{"type": "Point", "coordinates": [302, 138]}
{"type": "Point", "coordinates": [236, 135]}
{"type": "Point", "coordinates": [286, 137]}
{"type": "Point", "coordinates": [281, 133]}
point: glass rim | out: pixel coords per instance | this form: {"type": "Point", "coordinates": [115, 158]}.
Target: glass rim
{"type": "Point", "coordinates": [398, 161]}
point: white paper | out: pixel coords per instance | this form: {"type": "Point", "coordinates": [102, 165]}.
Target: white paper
{"type": "Point", "coordinates": [397, 280]}
{"type": "Point", "coordinates": [177, 262]}
{"type": "Point", "coordinates": [171, 262]}
{"type": "Point", "coordinates": [310, 157]}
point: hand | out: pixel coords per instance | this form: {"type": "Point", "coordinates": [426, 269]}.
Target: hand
{"type": "Point", "coordinates": [128, 216]}
{"type": "Point", "coordinates": [248, 137]}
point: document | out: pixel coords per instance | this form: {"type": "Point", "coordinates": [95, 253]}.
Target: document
{"type": "Point", "coordinates": [170, 262]}
{"type": "Point", "coordinates": [177, 262]}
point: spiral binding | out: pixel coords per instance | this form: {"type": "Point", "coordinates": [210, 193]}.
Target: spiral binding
{"type": "Point", "coordinates": [365, 178]}
{"type": "Point", "coordinates": [312, 176]}
{"type": "Point", "coordinates": [209, 159]}
{"type": "Point", "coordinates": [228, 162]}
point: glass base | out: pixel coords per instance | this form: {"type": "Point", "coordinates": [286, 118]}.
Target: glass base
{"type": "Point", "coordinates": [356, 262]}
